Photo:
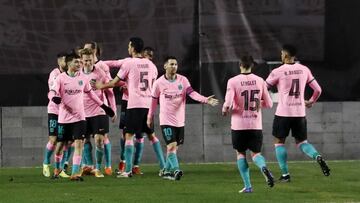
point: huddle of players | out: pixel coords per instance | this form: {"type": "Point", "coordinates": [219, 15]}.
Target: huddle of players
{"type": "Point", "coordinates": [246, 94]}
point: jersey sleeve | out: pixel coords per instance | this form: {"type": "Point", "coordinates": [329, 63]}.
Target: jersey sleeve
{"type": "Point", "coordinates": [272, 79]}
{"type": "Point", "coordinates": [266, 101]}
{"type": "Point", "coordinates": [229, 96]}
{"type": "Point", "coordinates": [124, 71]}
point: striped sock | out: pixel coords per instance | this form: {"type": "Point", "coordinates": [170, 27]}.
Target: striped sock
{"type": "Point", "coordinates": [308, 149]}
{"type": "Point", "coordinates": [158, 151]}
{"type": "Point", "coordinates": [244, 170]}
{"type": "Point", "coordinates": [129, 150]}
{"type": "Point", "coordinates": [107, 150]}
{"type": "Point", "coordinates": [139, 148]}
{"type": "Point", "coordinates": [281, 156]}
{"type": "Point", "coordinates": [48, 152]}
{"type": "Point", "coordinates": [98, 156]}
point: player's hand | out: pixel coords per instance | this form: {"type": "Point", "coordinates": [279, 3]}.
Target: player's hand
{"type": "Point", "coordinates": [149, 122]}
{"type": "Point", "coordinates": [212, 101]}
{"type": "Point", "coordinates": [225, 111]}
{"type": "Point", "coordinates": [56, 100]}
{"type": "Point", "coordinates": [108, 110]}
{"type": "Point", "coordinates": [308, 103]}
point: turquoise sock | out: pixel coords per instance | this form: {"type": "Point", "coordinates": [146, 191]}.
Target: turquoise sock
{"type": "Point", "coordinates": [75, 169]}
{"type": "Point", "coordinates": [69, 152]}
{"type": "Point", "coordinates": [139, 148]}
{"type": "Point", "coordinates": [168, 166]}
{"type": "Point", "coordinates": [129, 150]}
{"type": "Point", "coordinates": [173, 161]}
{"type": "Point", "coordinates": [281, 156]}
{"type": "Point", "coordinates": [259, 161]}
{"type": "Point", "coordinates": [98, 156]}
{"type": "Point", "coordinates": [244, 171]}
{"type": "Point", "coordinates": [122, 149]}
{"type": "Point", "coordinates": [64, 158]}
{"type": "Point", "coordinates": [88, 154]}
{"type": "Point", "coordinates": [309, 150]}
{"type": "Point", "coordinates": [47, 156]}
{"type": "Point", "coordinates": [107, 149]}
{"type": "Point", "coordinates": [159, 154]}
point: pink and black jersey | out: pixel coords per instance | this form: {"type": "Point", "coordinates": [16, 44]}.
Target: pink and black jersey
{"type": "Point", "coordinates": [103, 66]}
{"type": "Point", "coordinates": [140, 74]}
{"type": "Point", "coordinates": [52, 107]}
{"type": "Point", "coordinates": [71, 90]}
{"type": "Point", "coordinates": [243, 93]}
{"type": "Point", "coordinates": [172, 95]}
{"type": "Point", "coordinates": [290, 80]}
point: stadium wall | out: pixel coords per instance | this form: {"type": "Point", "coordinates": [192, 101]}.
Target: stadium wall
{"type": "Point", "coordinates": [333, 128]}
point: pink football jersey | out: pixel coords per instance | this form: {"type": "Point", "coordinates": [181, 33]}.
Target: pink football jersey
{"type": "Point", "coordinates": [243, 93]}
{"type": "Point", "coordinates": [71, 90]}
{"type": "Point", "coordinates": [90, 106]}
{"type": "Point", "coordinates": [140, 74]}
{"type": "Point", "coordinates": [172, 95]}
{"type": "Point", "coordinates": [291, 80]}
{"type": "Point", "coordinates": [52, 107]}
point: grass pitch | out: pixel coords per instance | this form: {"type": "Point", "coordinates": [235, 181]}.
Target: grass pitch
{"type": "Point", "coordinates": [200, 183]}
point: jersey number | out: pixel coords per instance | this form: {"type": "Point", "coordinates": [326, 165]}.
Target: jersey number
{"type": "Point", "coordinates": [253, 98]}
{"type": "Point", "coordinates": [295, 88]}
{"type": "Point", "coordinates": [144, 80]}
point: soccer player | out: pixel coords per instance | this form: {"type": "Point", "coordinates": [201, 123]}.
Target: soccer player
{"type": "Point", "coordinates": [140, 73]}
{"type": "Point", "coordinates": [109, 94]}
{"type": "Point", "coordinates": [68, 92]}
{"type": "Point", "coordinates": [147, 52]}
{"type": "Point", "coordinates": [246, 94]}
{"type": "Point", "coordinates": [53, 111]}
{"type": "Point", "coordinates": [96, 119]}
{"type": "Point", "coordinates": [172, 89]}
{"type": "Point", "coordinates": [290, 80]}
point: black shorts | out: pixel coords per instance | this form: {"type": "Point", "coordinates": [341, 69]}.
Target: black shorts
{"type": "Point", "coordinates": [71, 131]}
{"type": "Point", "coordinates": [247, 139]}
{"type": "Point", "coordinates": [97, 125]}
{"type": "Point", "coordinates": [136, 121]}
{"type": "Point", "coordinates": [283, 125]}
{"type": "Point", "coordinates": [123, 114]}
{"type": "Point", "coordinates": [173, 134]}
{"type": "Point", "coordinates": [53, 124]}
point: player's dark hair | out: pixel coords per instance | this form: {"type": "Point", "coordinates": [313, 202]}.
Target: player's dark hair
{"type": "Point", "coordinates": [290, 49]}
{"type": "Point", "coordinates": [61, 54]}
{"type": "Point", "coordinates": [95, 46]}
{"type": "Point", "coordinates": [70, 56]}
{"type": "Point", "coordinates": [86, 52]}
{"type": "Point", "coordinates": [137, 43]}
{"type": "Point", "coordinates": [148, 49]}
{"type": "Point", "coordinates": [169, 58]}
{"type": "Point", "coordinates": [247, 61]}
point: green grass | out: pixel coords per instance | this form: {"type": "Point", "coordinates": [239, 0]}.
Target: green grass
{"type": "Point", "coordinates": [200, 183]}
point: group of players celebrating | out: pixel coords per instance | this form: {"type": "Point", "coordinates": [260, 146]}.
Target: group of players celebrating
{"type": "Point", "coordinates": [81, 100]}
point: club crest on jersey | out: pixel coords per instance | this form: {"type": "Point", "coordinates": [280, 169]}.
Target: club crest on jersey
{"type": "Point", "coordinates": [80, 82]}
{"type": "Point", "coordinates": [180, 87]}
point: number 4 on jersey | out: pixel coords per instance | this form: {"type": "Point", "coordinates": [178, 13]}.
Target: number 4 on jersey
{"type": "Point", "coordinates": [295, 88]}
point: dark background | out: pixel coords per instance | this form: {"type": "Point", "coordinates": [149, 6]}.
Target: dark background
{"type": "Point", "coordinates": [207, 36]}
